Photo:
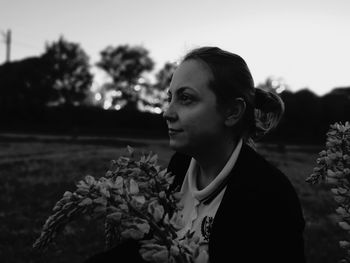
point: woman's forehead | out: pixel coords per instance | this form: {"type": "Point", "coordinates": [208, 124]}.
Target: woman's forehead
{"type": "Point", "coordinates": [191, 73]}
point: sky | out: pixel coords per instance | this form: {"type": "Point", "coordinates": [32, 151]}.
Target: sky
{"type": "Point", "coordinates": [305, 43]}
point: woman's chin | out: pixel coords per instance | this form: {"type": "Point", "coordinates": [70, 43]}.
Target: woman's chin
{"type": "Point", "coordinates": [180, 147]}
{"type": "Point", "coordinates": [175, 145]}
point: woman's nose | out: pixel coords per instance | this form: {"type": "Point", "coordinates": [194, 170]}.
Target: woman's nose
{"type": "Point", "coordinates": [169, 113]}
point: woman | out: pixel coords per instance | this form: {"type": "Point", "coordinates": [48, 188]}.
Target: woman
{"type": "Point", "coordinates": [241, 207]}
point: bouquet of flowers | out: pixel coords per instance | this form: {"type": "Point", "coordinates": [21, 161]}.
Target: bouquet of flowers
{"type": "Point", "coordinates": [135, 202]}
{"type": "Point", "coordinates": [333, 167]}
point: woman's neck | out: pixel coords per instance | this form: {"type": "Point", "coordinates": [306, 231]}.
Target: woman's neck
{"type": "Point", "coordinates": [211, 162]}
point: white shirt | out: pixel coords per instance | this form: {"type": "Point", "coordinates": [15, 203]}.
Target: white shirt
{"type": "Point", "coordinates": [200, 206]}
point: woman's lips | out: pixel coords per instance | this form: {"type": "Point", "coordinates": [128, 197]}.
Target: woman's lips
{"type": "Point", "coordinates": [174, 131]}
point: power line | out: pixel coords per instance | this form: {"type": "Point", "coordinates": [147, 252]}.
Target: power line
{"type": "Point", "coordinates": [7, 39]}
{"type": "Point", "coordinates": [23, 44]}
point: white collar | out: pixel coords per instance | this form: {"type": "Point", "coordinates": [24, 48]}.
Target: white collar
{"type": "Point", "coordinates": [219, 180]}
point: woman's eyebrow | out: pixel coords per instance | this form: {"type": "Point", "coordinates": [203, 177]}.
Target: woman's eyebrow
{"type": "Point", "coordinates": [180, 90]}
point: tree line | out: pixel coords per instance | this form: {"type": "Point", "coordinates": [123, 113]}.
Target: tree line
{"type": "Point", "coordinates": [61, 76]}
{"type": "Point", "coordinates": [53, 91]}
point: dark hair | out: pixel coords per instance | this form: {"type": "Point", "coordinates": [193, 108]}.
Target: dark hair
{"type": "Point", "coordinates": [232, 79]}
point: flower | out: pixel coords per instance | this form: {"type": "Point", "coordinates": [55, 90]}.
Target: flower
{"type": "Point", "coordinates": [135, 201]}
{"type": "Point", "coordinates": [333, 167]}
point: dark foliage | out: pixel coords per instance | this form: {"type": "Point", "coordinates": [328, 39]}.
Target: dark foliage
{"type": "Point", "coordinates": [27, 87]}
{"type": "Point", "coordinates": [58, 77]}
{"type": "Point", "coordinates": [308, 116]}
{"type": "Point", "coordinates": [23, 84]}
{"type": "Point", "coordinates": [84, 121]}
{"type": "Point", "coordinates": [125, 64]}
{"type": "Point", "coordinates": [68, 72]}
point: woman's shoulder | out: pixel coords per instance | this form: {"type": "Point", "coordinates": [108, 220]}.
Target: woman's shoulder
{"type": "Point", "coordinates": [269, 186]}
{"type": "Point", "coordinates": [258, 169]}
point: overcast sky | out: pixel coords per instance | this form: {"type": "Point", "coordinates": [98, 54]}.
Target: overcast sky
{"type": "Point", "coordinates": [305, 42]}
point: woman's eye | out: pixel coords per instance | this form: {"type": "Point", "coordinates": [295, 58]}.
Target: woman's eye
{"type": "Point", "coordinates": [168, 99]}
{"type": "Point", "coordinates": [185, 98]}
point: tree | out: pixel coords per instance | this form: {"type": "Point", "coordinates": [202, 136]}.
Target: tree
{"type": "Point", "coordinates": [304, 113]}
{"type": "Point", "coordinates": [153, 98]}
{"type": "Point", "coordinates": [68, 72]}
{"type": "Point", "coordinates": [126, 64]}
{"type": "Point", "coordinates": [22, 84]}
{"type": "Point", "coordinates": [273, 84]}
{"type": "Point", "coordinates": [336, 106]}
{"type": "Point", "coordinates": [164, 76]}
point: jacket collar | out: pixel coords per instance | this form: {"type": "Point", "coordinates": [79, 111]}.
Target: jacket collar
{"type": "Point", "coordinates": [236, 178]}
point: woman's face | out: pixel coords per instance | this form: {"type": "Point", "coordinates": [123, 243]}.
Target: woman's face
{"type": "Point", "coordinates": [192, 116]}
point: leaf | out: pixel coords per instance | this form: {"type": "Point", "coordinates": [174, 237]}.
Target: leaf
{"type": "Point", "coordinates": [342, 190]}
{"type": "Point", "coordinates": [162, 173]}
{"type": "Point", "coordinates": [130, 150]}
{"type": "Point", "coordinates": [202, 257]}
{"type": "Point", "coordinates": [104, 191]}
{"type": "Point", "coordinates": [161, 195]}
{"type": "Point", "coordinates": [147, 254]}
{"type": "Point", "coordinates": [158, 212]}
{"type": "Point", "coordinates": [57, 207]}
{"type": "Point", "coordinates": [330, 173]}
{"type": "Point", "coordinates": [154, 159]}
{"type": "Point", "coordinates": [177, 221]}
{"type": "Point", "coordinates": [99, 210]}
{"type": "Point", "coordinates": [100, 201]}
{"type": "Point", "coordinates": [82, 191]}
{"type": "Point", "coordinates": [67, 194]}
{"type": "Point", "coordinates": [71, 212]}
{"type": "Point", "coordinates": [142, 159]}
{"type": "Point", "coordinates": [331, 180]}
{"type": "Point", "coordinates": [335, 191]}
{"type": "Point", "coordinates": [109, 174]}
{"type": "Point", "coordinates": [67, 205]}
{"type": "Point", "coordinates": [178, 195]}
{"type": "Point", "coordinates": [134, 188]}
{"type": "Point", "coordinates": [143, 227]}
{"type": "Point", "coordinates": [85, 202]}
{"type": "Point", "coordinates": [161, 256]}
{"type": "Point", "coordinates": [175, 251]}
{"type": "Point", "coordinates": [132, 234]}
{"type": "Point", "coordinates": [116, 216]}
{"type": "Point", "coordinates": [139, 199]}
{"type": "Point", "coordinates": [90, 180]}
{"type": "Point", "coordinates": [152, 246]}
{"type": "Point", "coordinates": [339, 198]}
{"type": "Point", "coordinates": [157, 167]}
{"type": "Point", "coordinates": [170, 179]}
{"type": "Point", "coordinates": [119, 182]}
{"type": "Point", "coordinates": [344, 225]}
{"type": "Point", "coordinates": [344, 244]}
{"type": "Point", "coordinates": [341, 211]}
{"type": "Point", "coordinates": [135, 172]}
{"type": "Point", "coordinates": [124, 208]}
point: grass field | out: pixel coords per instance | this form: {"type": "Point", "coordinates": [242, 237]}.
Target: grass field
{"type": "Point", "coordinates": [36, 171]}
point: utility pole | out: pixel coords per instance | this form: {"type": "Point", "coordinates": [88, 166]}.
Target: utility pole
{"type": "Point", "coordinates": [8, 45]}
{"type": "Point", "coordinates": [7, 37]}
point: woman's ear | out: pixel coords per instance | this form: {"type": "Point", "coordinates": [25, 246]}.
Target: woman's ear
{"type": "Point", "coordinates": [235, 111]}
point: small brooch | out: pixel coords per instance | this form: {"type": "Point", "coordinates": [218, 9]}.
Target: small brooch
{"type": "Point", "coordinates": [206, 226]}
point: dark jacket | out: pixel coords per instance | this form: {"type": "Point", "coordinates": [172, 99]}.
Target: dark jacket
{"type": "Point", "coordinates": [259, 218]}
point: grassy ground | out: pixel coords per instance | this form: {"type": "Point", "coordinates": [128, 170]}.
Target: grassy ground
{"type": "Point", "coordinates": [35, 172]}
